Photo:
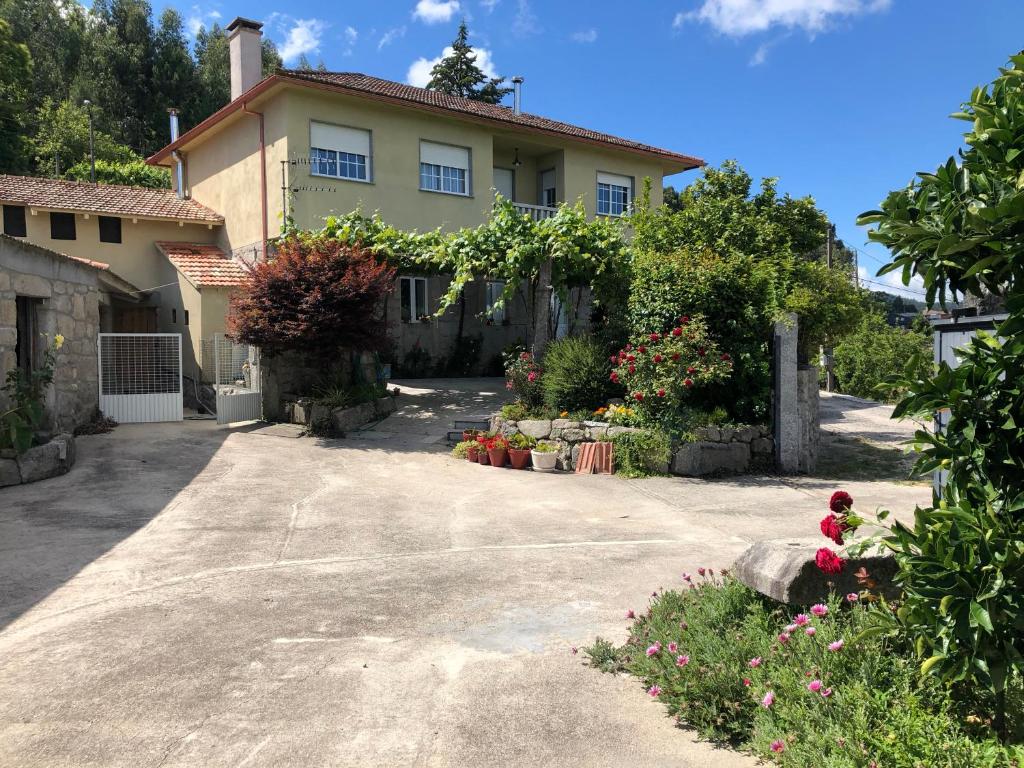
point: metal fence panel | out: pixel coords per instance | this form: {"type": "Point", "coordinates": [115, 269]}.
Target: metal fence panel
{"type": "Point", "coordinates": [236, 380]}
{"type": "Point", "coordinates": [140, 376]}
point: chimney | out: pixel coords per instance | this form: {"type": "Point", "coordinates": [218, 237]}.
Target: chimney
{"type": "Point", "coordinates": [179, 175]}
{"type": "Point", "coordinates": [245, 45]}
{"type": "Point", "coordinates": [517, 95]}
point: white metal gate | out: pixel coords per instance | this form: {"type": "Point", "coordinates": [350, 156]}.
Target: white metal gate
{"type": "Point", "coordinates": [140, 376]}
{"type": "Point", "coordinates": [236, 380]}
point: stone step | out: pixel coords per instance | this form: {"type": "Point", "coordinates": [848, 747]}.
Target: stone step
{"type": "Point", "coordinates": [473, 422]}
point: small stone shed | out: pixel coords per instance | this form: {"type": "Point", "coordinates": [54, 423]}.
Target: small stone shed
{"type": "Point", "coordinates": [44, 293]}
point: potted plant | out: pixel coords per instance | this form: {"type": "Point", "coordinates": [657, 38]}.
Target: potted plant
{"type": "Point", "coordinates": [544, 456]}
{"type": "Point", "coordinates": [519, 446]}
{"type": "Point", "coordinates": [465, 450]}
{"type": "Point", "coordinates": [481, 450]}
{"type": "Point", "coordinates": [497, 450]}
{"type": "Point", "coordinates": [470, 434]}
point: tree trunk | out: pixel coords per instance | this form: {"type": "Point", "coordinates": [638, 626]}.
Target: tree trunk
{"type": "Point", "coordinates": [542, 311]}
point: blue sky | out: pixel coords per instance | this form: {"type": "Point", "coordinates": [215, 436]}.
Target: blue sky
{"type": "Point", "coordinates": [841, 99]}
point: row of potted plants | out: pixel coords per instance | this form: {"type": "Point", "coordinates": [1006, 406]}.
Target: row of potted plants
{"type": "Point", "coordinates": [519, 450]}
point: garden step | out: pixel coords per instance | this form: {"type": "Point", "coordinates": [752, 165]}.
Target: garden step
{"type": "Point", "coordinates": [454, 436]}
{"type": "Point", "coordinates": [473, 422]}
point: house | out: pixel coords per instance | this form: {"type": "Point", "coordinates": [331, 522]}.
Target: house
{"type": "Point", "coordinates": [42, 294]}
{"type": "Point", "coordinates": [303, 145]}
{"type": "Point", "coordinates": [152, 238]}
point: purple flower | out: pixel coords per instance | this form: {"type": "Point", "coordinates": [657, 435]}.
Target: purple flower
{"type": "Point", "coordinates": [768, 700]}
{"type": "Point", "coordinates": [784, 638]}
{"type": "Point", "coordinates": [754, 663]}
{"type": "Point", "coordinates": [814, 686]}
{"type": "Point", "coordinates": [826, 692]}
{"type": "Point", "coordinates": [778, 746]}
{"type": "Point", "coordinates": [682, 661]}
{"type": "Point", "coordinates": [654, 691]}
{"type": "Point", "coordinates": [673, 647]}
{"type": "Point", "coordinates": [801, 618]}
{"type": "Point", "coordinates": [836, 646]}
{"type": "Point", "coordinates": [819, 610]}
{"type": "Point", "coordinates": [654, 649]}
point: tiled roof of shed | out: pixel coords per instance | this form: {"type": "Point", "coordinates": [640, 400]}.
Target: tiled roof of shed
{"type": "Point", "coordinates": [203, 264]}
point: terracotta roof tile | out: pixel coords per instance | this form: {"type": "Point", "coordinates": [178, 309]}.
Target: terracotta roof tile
{"type": "Point", "coordinates": [203, 264]}
{"type": "Point", "coordinates": [375, 85]}
{"type": "Point", "coordinates": [112, 199]}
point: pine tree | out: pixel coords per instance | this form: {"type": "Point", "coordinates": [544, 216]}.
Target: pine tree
{"type": "Point", "coordinates": [457, 74]}
{"type": "Point", "coordinates": [15, 80]}
{"type": "Point", "coordinates": [174, 75]}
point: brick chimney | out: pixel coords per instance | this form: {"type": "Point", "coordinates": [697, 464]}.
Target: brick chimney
{"type": "Point", "coordinates": [245, 44]}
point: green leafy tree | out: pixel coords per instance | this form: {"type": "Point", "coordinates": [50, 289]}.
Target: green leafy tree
{"type": "Point", "coordinates": [458, 74]}
{"type": "Point", "coordinates": [134, 173]}
{"type": "Point", "coordinates": [866, 358]}
{"type": "Point", "coordinates": [15, 81]}
{"type": "Point", "coordinates": [961, 560]}
{"type": "Point", "coordinates": [63, 139]}
{"type": "Point", "coordinates": [174, 76]}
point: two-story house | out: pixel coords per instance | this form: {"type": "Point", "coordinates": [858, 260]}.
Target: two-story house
{"type": "Point", "coordinates": [307, 144]}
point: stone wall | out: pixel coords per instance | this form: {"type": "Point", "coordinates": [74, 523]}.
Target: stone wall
{"type": "Point", "coordinates": [717, 450]}
{"type": "Point", "coordinates": [67, 296]}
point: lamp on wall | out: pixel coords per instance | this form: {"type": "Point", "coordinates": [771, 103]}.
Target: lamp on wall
{"type": "Point", "coordinates": [516, 162]}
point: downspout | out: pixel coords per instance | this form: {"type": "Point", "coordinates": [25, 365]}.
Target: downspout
{"type": "Point", "coordinates": [263, 176]}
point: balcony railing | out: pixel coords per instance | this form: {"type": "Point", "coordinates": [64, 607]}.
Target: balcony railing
{"type": "Point", "coordinates": [535, 212]}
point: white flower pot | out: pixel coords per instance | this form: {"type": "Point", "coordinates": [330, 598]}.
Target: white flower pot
{"type": "Point", "coordinates": [544, 462]}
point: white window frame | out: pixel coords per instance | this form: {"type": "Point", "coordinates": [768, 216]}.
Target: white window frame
{"type": "Point", "coordinates": [417, 288]}
{"type": "Point", "coordinates": [447, 174]}
{"type": "Point", "coordinates": [492, 291]}
{"type": "Point", "coordinates": [350, 159]}
{"type": "Point", "coordinates": [616, 184]}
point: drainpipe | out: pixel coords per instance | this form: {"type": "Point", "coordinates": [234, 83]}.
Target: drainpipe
{"type": "Point", "coordinates": [263, 175]}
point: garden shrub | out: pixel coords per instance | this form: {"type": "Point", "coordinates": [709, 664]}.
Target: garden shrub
{"type": "Point", "coordinates": [523, 379]}
{"type": "Point", "coordinates": [576, 374]}
{"type": "Point", "coordinates": [336, 394]}
{"type": "Point", "coordinates": [641, 453]}
{"type": "Point", "coordinates": [864, 361]}
{"type": "Point", "coordinates": [714, 654]}
{"type": "Point", "coordinates": [27, 395]}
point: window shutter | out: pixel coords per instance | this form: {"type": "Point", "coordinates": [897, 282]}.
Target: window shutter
{"type": "Point", "coordinates": [443, 154]}
{"type": "Point", "coordinates": [339, 138]}
{"type": "Point", "coordinates": [618, 181]}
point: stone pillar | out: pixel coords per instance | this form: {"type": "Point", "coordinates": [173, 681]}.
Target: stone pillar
{"type": "Point", "coordinates": [810, 423]}
{"type": "Point", "coordinates": [785, 389]}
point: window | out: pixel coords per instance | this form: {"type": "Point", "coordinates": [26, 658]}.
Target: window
{"type": "Point", "coordinates": [62, 226]}
{"type": "Point", "coordinates": [174, 316]}
{"type": "Point", "coordinates": [444, 168]}
{"type": "Point", "coordinates": [14, 221]}
{"type": "Point", "coordinates": [27, 329]}
{"type": "Point", "coordinates": [414, 299]}
{"type": "Point", "coordinates": [110, 229]}
{"type": "Point", "coordinates": [614, 194]}
{"type": "Point", "coordinates": [186, 317]}
{"type": "Point", "coordinates": [548, 196]}
{"type": "Point", "coordinates": [494, 290]}
{"type": "Point", "coordinates": [338, 151]}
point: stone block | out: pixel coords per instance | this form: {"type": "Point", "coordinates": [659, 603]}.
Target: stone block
{"type": "Point", "coordinates": [596, 431]}
{"type": "Point", "coordinates": [615, 430]}
{"type": "Point", "coordinates": [707, 458]}
{"type": "Point", "coordinates": [726, 434]}
{"type": "Point", "coordinates": [9, 472]}
{"type": "Point", "coordinates": [32, 285]}
{"type": "Point", "coordinates": [43, 461]}
{"type": "Point", "coordinates": [61, 304]}
{"type": "Point", "coordinates": [536, 428]}
{"type": "Point", "coordinates": [573, 435]}
{"type": "Point", "coordinates": [785, 571]}
{"type": "Point", "coordinates": [565, 424]}
{"type": "Point", "coordinates": [78, 308]}
{"type": "Point", "coordinates": [5, 281]}
{"type": "Point", "coordinates": [349, 419]}
{"type": "Point", "coordinates": [761, 446]}
{"type": "Point", "coordinates": [318, 413]}
{"type": "Point", "coordinates": [8, 336]}
{"type": "Point", "coordinates": [384, 406]}
{"type": "Point", "coordinates": [746, 434]}
{"type": "Point", "coordinates": [8, 312]}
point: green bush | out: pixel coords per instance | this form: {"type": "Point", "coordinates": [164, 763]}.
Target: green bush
{"type": "Point", "coordinates": [641, 453]}
{"type": "Point", "coordinates": [875, 708]}
{"type": "Point", "coordinates": [342, 395]}
{"type": "Point", "coordinates": [865, 359]}
{"type": "Point", "coordinates": [576, 372]}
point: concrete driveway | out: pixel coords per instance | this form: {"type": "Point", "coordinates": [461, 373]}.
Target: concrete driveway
{"type": "Point", "coordinates": [191, 595]}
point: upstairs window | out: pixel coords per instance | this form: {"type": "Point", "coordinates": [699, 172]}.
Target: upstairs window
{"type": "Point", "coordinates": [444, 168]}
{"type": "Point", "coordinates": [494, 290]}
{"type": "Point", "coordinates": [62, 226]}
{"type": "Point", "coordinates": [14, 221]}
{"type": "Point", "coordinates": [339, 152]}
{"type": "Point", "coordinates": [414, 299]}
{"type": "Point", "coordinates": [110, 229]}
{"type": "Point", "coordinates": [614, 194]}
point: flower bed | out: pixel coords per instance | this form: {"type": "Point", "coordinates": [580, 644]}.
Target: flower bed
{"type": "Point", "coordinates": [323, 418]}
{"type": "Point", "coordinates": [39, 462]}
{"type": "Point", "coordinates": [714, 450]}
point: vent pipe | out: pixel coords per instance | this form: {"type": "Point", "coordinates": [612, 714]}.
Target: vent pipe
{"type": "Point", "coordinates": [517, 95]}
{"type": "Point", "coordinates": [179, 174]}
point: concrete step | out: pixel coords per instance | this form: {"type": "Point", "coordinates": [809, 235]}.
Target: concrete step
{"type": "Point", "coordinates": [473, 422]}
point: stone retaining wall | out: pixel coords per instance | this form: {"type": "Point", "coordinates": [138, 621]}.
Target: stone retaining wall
{"type": "Point", "coordinates": [38, 463]}
{"type": "Point", "coordinates": [717, 450]}
{"type": "Point", "coordinates": [305, 411]}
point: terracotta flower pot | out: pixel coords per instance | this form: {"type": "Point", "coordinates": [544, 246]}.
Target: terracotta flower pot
{"type": "Point", "coordinates": [519, 457]}
{"type": "Point", "coordinates": [472, 454]}
{"type": "Point", "coordinates": [470, 434]}
{"type": "Point", "coordinates": [481, 457]}
{"type": "Point", "coordinates": [497, 456]}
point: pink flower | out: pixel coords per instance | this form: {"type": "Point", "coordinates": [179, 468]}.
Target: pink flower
{"type": "Point", "coordinates": [654, 691]}
{"type": "Point", "coordinates": [673, 647]}
{"type": "Point", "coordinates": [754, 663]}
{"type": "Point", "coordinates": [836, 646]}
{"type": "Point", "coordinates": [683, 625]}
{"type": "Point", "coordinates": [853, 597]}
{"type": "Point", "coordinates": [801, 618]}
{"type": "Point", "coordinates": [814, 686]}
{"type": "Point", "coordinates": [531, 376]}
{"type": "Point", "coordinates": [654, 650]}
{"type": "Point", "coordinates": [687, 577]}
{"type": "Point", "coordinates": [508, 385]}
{"type": "Point", "coordinates": [784, 638]}
{"type": "Point", "coordinates": [826, 692]}
{"type": "Point", "coordinates": [701, 571]}
{"type": "Point", "coordinates": [746, 682]}
{"type": "Point", "coordinates": [630, 614]}
{"type": "Point", "coordinates": [768, 700]}
{"type": "Point", "coordinates": [819, 610]}
{"type": "Point", "coordinates": [810, 631]}
{"type": "Point", "coordinates": [778, 746]}
{"type": "Point", "coordinates": [791, 628]}
{"type": "Point", "coordinates": [682, 661]}
{"type": "Point", "coordinates": [574, 650]}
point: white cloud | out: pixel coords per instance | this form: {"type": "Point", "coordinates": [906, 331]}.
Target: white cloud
{"type": "Point", "coordinates": [525, 22]}
{"type": "Point", "coordinates": [351, 35]}
{"type": "Point", "coordinates": [419, 70]}
{"type": "Point", "coordinates": [435, 11]}
{"type": "Point", "coordinates": [198, 18]}
{"type": "Point", "coordinates": [585, 35]}
{"type": "Point", "coordinates": [760, 55]}
{"type": "Point", "coordinates": [745, 17]}
{"type": "Point", "coordinates": [390, 36]}
{"type": "Point", "coordinates": [303, 38]}
{"type": "Point", "coordinates": [488, 5]}
{"type": "Point", "coordinates": [891, 283]}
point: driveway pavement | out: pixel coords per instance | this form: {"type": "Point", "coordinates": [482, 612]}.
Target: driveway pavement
{"type": "Point", "coordinates": [191, 595]}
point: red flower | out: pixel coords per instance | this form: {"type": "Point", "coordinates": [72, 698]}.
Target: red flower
{"type": "Point", "coordinates": [684, 320]}
{"type": "Point", "coordinates": [661, 393]}
{"type": "Point", "coordinates": [613, 359]}
{"type": "Point", "coordinates": [832, 527]}
{"type": "Point", "coordinates": [654, 337]}
{"type": "Point", "coordinates": [524, 355]}
{"type": "Point", "coordinates": [725, 356]}
{"type": "Point", "coordinates": [631, 358]}
{"type": "Point", "coordinates": [629, 347]}
{"type": "Point", "coordinates": [691, 370]}
{"type": "Point", "coordinates": [632, 369]}
{"type": "Point", "coordinates": [677, 331]}
{"type": "Point", "coordinates": [658, 358]}
{"type": "Point", "coordinates": [641, 349]}
{"type": "Point", "coordinates": [828, 561]}
{"type": "Point", "coordinates": [840, 502]}
{"type": "Point", "coordinates": [615, 377]}
{"type": "Point", "coordinates": [687, 382]}
{"type": "Point", "coordinates": [639, 396]}
{"type": "Point", "coordinates": [702, 351]}
{"type": "Point", "coordinates": [675, 356]}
